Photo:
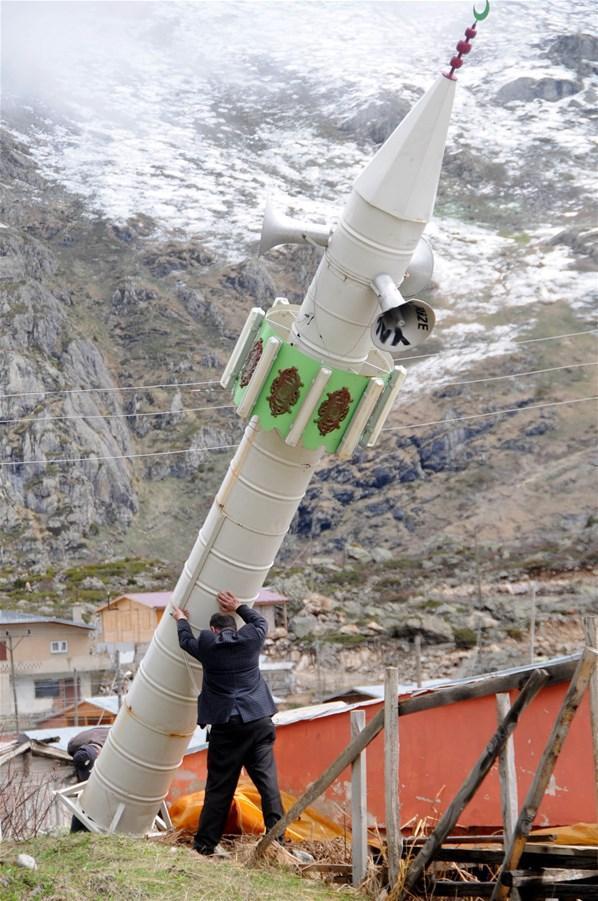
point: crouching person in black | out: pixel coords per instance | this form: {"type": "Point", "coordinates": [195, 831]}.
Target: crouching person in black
{"type": "Point", "coordinates": [238, 705]}
{"type": "Point", "coordinates": [84, 749]}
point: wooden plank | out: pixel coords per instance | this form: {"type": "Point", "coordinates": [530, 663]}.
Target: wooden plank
{"type": "Point", "coordinates": [446, 888]}
{"type": "Point", "coordinates": [558, 672]}
{"type": "Point", "coordinates": [571, 702]}
{"type": "Point", "coordinates": [474, 779]}
{"type": "Point", "coordinates": [441, 697]}
{"type": "Point", "coordinates": [359, 814]}
{"type": "Point", "coordinates": [391, 773]}
{"type": "Point", "coordinates": [577, 891]}
{"type": "Point", "coordinates": [590, 628]}
{"type": "Point", "coordinates": [341, 869]}
{"type": "Point", "coordinates": [507, 771]}
{"type": "Point", "coordinates": [576, 858]}
{"type": "Point", "coordinates": [547, 875]}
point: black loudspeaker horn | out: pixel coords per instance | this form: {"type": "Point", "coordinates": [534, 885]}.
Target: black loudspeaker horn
{"type": "Point", "coordinates": [404, 326]}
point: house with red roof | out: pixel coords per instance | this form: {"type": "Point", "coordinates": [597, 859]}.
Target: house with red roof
{"type": "Point", "coordinates": [131, 619]}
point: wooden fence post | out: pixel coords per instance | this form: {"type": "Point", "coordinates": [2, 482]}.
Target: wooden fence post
{"type": "Point", "coordinates": [571, 702]}
{"type": "Point", "coordinates": [440, 697]}
{"type": "Point", "coordinates": [417, 646]}
{"type": "Point", "coordinates": [394, 841]}
{"type": "Point", "coordinates": [507, 772]}
{"type": "Point", "coordinates": [314, 791]}
{"type": "Point", "coordinates": [532, 625]}
{"type": "Point", "coordinates": [590, 627]}
{"type": "Point", "coordinates": [359, 812]}
{"type": "Point", "coordinates": [473, 780]}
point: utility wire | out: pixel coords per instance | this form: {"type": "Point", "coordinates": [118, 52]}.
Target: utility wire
{"type": "Point", "coordinates": [216, 447]}
{"type": "Point", "coordinates": [42, 419]}
{"type": "Point", "coordinates": [510, 375]}
{"type": "Point", "coordinates": [107, 390]}
{"type": "Point", "coordinates": [492, 378]}
{"type": "Point", "coordinates": [554, 403]}
{"type": "Point", "coordinates": [217, 381]}
{"type": "Point", "coordinates": [96, 459]}
{"type": "Point", "coordinates": [448, 350]}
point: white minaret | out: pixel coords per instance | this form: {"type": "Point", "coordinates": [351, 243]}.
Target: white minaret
{"type": "Point", "coordinates": [310, 381]}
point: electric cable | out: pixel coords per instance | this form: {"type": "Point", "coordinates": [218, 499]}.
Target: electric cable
{"type": "Point", "coordinates": [554, 403]}
{"type": "Point", "coordinates": [448, 350]}
{"type": "Point", "coordinates": [97, 459]}
{"type": "Point", "coordinates": [216, 447]}
{"type": "Point", "coordinates": [42, 419]}
{"type": "Point", "coordinates": [184, 410]}
{"type": "Point", "coordinates": [108, 390]}
{"type": "Point", "coordinates": [55, 392]}
{"type": "Point", "coordinates": [510, 375]}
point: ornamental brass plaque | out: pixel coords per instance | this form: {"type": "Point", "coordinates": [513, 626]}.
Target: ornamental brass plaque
{"type": "Point", "coordinates": [251, 362]}
{"type": "Point", "coordinates": [333, 411]}
{"type": "Point", "coordinates": [284, 391]}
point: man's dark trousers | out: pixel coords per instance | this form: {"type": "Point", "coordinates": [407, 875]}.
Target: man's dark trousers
{"type": "Point", "coordinates": [231, 747]}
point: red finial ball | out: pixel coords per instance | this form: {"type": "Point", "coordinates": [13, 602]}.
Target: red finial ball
{"type": "Point", "coordinates": [470, 33]}
{"type": "Point", "coordinates": [456, 63]}
{"type": "Point", "coordinates": [463, 47]}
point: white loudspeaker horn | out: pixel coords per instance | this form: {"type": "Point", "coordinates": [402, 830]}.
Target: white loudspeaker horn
{"type": "Point", "coordinates": [280, 229]}
{"type": "Point", "coordinates": [403, 327]}
{"type": "Point", "coordinates": [419, 271]}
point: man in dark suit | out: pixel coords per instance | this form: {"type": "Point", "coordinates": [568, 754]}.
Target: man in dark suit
{"type": "Point", "coordinates": [238, 705]}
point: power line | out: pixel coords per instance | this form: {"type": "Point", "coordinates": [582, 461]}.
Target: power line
{"type": "Point", "coordinates": [42, 419]}
{"type": "Point", "coordinates": [510, 375]}
{"type": "Point", "coordinates": [217, 381]}
{"type": "Point", "coordinates": [554, 403]}
{"type": "Point", "coordinates": [108, 390]}
{"type": "Point", "coordinates": [216, 447]}
{"type": "Point", "coordinates": [96, 459]}
{"type": "Point", "coordinates": [185, 410]}
{"type": "Point", "coordinates": [448, 350]}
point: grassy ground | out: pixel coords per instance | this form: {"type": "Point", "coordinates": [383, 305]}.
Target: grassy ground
{"type": "Point", "coordinates": [89, 867]}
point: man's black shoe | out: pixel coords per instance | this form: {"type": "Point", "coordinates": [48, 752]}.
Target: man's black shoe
{"type": "Point", "coordinates": [218, 852]}
{"type": "Point", "coordinates": [206, 852]}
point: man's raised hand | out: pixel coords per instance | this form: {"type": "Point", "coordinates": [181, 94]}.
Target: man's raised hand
{"type": "Point", "coordinates": [227, 601]}
{"type": "Point", "coordinates": [179, 613]}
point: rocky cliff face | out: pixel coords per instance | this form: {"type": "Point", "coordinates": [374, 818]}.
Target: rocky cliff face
{"type": "Point", "coordinates": [87, 307]}
{"type": "Point", "coordinates": [116, 319]}
{"type": "Point", "coordinates": [90, 309]}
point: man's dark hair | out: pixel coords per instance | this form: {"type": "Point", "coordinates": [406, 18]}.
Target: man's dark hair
{"type": "Point", "coordinates": [223, 621]}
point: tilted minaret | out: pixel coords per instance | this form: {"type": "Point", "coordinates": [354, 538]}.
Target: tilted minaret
{"type": "Point", "coordinates": [314, 379]}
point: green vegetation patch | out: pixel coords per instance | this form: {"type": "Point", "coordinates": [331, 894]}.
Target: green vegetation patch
{"type": "Point", "coordinates": [106, 867]}
{"type": "Point", "coordinates": [465, 638]}
{"type": "Point", "coordinates": [126, 568]}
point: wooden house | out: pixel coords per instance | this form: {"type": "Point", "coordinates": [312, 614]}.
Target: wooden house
{"type": "Point", "coordinates": [131, 619]}
{"type": "Point", "coordinates": [101, 710]}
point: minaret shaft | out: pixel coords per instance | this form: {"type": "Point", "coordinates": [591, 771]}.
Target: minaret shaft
{"type": "Point", "coordinates": [378, 233]}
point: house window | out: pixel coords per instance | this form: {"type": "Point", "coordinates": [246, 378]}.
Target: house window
{"type": "Point", "coordinates": [59, 647]}
{"type": "Point", "coordinates": [47, 688]}
{"type": "Point", "coordinates": [3, 654]}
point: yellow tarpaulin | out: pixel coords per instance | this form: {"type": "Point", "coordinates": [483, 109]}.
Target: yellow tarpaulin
{"type": "Point", "coordinates": [245, 817]}
{"type": "Point", "coordinates": [578, 834]}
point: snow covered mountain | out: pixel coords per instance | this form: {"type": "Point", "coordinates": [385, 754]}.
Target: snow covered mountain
{"type": "Point", "coordinates": [143, 141]}
{"type": "Point", "coordinates": [192, 113]}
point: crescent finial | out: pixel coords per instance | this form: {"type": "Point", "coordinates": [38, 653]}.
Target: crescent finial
{"type": "Point", "coordinates": [479, 17]}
